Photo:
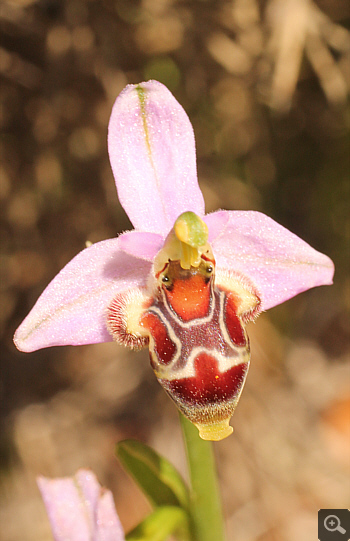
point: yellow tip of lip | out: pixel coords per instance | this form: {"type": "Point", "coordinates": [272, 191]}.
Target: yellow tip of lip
{"type": "Point", "coordinates": [215, 432]}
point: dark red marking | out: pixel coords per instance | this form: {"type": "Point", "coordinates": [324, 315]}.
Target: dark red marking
{"type": "Point", "coordinates": [209, 385]}
{"type": "Point", "coordinates": [164, 347]}
{"type": "Point", "coordinates": [233, 324]}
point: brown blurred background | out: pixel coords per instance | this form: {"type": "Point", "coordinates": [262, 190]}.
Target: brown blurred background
{"type": "Point", "coordinates": [266, 86]}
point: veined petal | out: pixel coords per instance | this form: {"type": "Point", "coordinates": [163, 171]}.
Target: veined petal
{"type": "Point", "coordinates": [152, 152]}
{"type": "Point", "coordinates": [72, 310]}
{"type": "Point", "coordinates": [278, 262]}
{"type": "Point", "coordinates": [141, 244]}
{"type": "Point", "coordinates": [79, 509]}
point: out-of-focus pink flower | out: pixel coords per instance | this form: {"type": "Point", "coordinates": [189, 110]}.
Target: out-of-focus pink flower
{"type": "Point", "coordinates": [79, 509]}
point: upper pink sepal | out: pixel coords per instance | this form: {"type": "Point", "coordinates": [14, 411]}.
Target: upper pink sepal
{"type": "Point", "coordinates": [278, 262]}
{"type": "Point", "coordinates": [152, 152]}
{"type": "Point", "coordinates": [141, 244]}
{"type": "Point", "coordinates": [72, 309]}
{"type": "Point", "coordinates": [79, 509]}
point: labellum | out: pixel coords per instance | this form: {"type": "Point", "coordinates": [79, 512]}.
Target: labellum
{"type": "Point", "coordinates": [193, 321]}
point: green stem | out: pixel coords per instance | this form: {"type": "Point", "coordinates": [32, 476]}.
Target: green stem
{"type": "Point", "coordinates": [206, 512]}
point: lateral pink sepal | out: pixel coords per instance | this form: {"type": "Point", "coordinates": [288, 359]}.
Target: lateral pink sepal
{"type": "Point", "coordinates": [72, 310]}
{"type": "Point", "coordinates": [278, 262]}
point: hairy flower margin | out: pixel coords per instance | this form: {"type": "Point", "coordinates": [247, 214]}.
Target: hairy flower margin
{"type": "Point", "coordinates": [103, 292]}
{"type": "Point", "coordinates": [78, 508]}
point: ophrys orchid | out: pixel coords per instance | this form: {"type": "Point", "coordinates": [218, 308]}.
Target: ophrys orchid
{"type": "Point", "coordinates": [183, 283]}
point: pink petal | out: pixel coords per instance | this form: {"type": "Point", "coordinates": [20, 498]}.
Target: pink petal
{"type": "Point", "coordinates": [79, 510]}
{"type": "Point", "coordinates": [72, 309]}
{"type": "Point", "coordinates": [108, 524]}
{"type": "Point", "coordinates": [64, 507]}
{"type": "Point", "coordinates": [278, 262]}
{"type": "Point", "coordinates": [152, 152]}
{"type": "Point", "coordinates": [141, 244]}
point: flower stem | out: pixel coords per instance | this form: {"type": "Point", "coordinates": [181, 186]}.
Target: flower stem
{"type": "Point", "coordinates": [206, 512]}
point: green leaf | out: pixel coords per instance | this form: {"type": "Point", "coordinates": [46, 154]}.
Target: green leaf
{"type": "Point", "coordinates": [160, 524]}
{"type": "Point", "coordinates": [155, 475]}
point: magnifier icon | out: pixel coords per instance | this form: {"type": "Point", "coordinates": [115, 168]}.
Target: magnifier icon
{"type": "Point", "coordinates": [332, 524]}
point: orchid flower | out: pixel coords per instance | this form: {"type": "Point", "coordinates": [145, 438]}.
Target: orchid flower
{"type": "Point", "coordinates": [182, 283]}
{"type": "Point", "coordinates": [79, 509]}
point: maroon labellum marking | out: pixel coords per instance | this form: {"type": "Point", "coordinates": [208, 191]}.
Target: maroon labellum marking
{"type": "Point", "coordinates": [209, 385]}
{"type": "Point", "coordinates": [163, 347]}
{"type": "Point", "coordinates": [208, 334]}
{"type": "Point", "coordinates": [232, 322]}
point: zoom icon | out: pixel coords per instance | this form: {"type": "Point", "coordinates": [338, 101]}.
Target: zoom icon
{"type": "Point", "coordinates": [334, 525]}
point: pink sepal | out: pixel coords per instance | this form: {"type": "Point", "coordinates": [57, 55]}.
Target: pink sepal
{"type": "Point", "coordinates": [278, 262]}
{"type": "Point", "coordinates": [152, 152]}
{"type": "Point", "coordinates": [72, 309]}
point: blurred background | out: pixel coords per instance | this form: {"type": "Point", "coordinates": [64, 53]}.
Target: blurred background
{"type": "Point", "coordinates": [266, 86]}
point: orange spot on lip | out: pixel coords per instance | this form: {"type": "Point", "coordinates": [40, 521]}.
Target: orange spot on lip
{"type": "Point", "coordinates": [190, 298]}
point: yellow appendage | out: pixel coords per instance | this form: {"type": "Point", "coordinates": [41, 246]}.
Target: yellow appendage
{"type": "Point", "coordinates": [215, 432]}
